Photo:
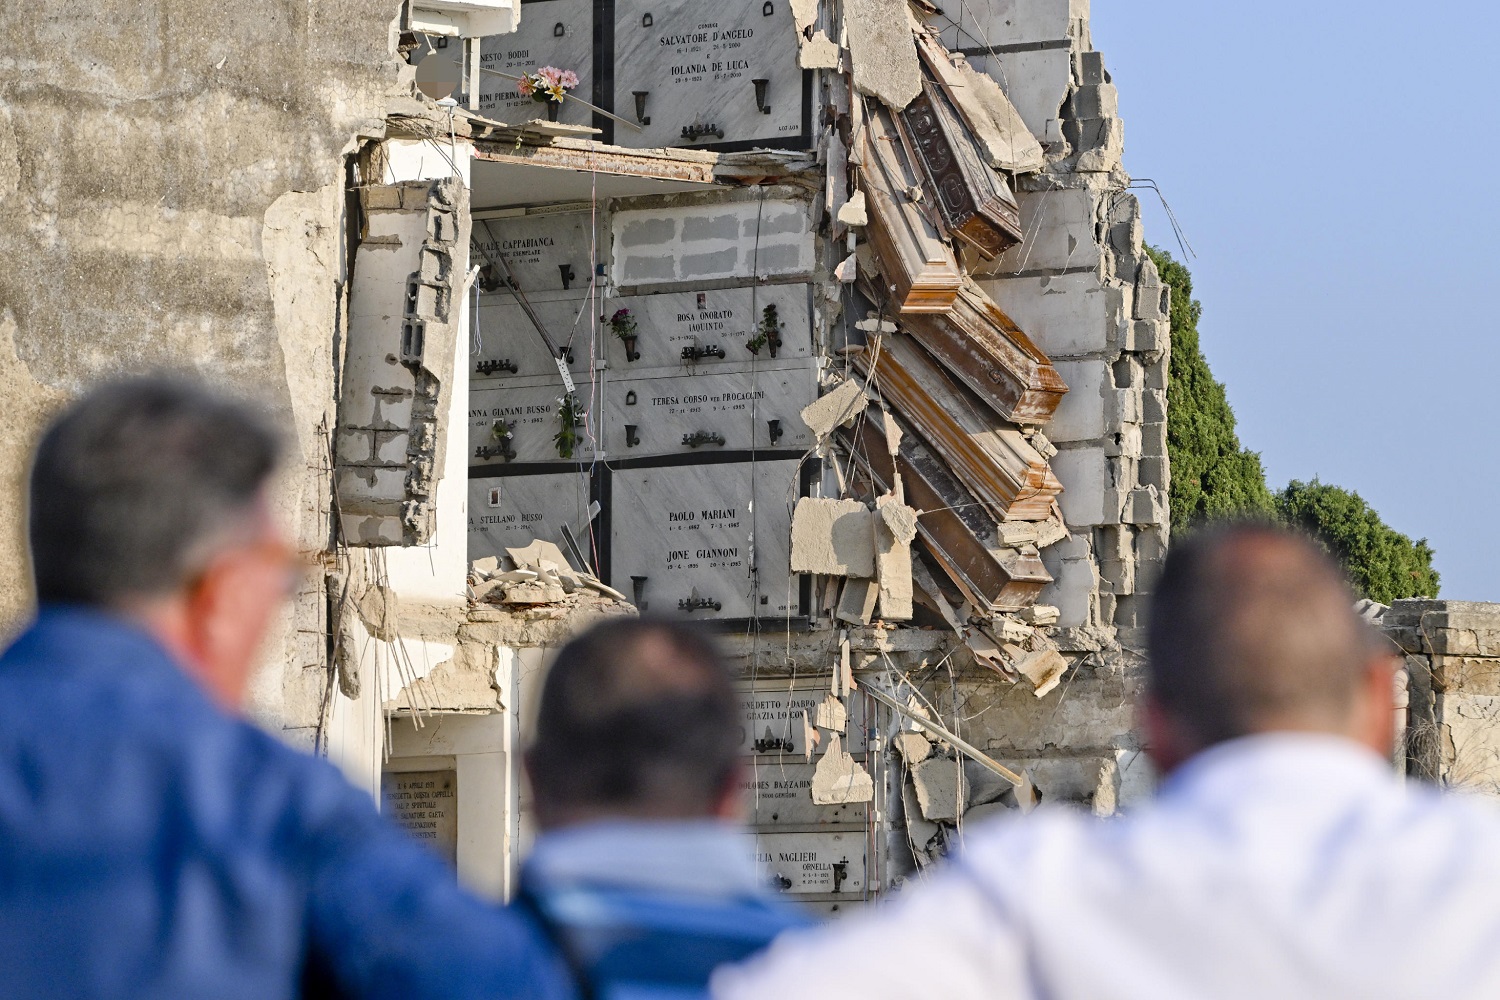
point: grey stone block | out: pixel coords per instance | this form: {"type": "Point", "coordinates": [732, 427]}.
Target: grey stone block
{"type": "Point", "coordinates": [707, 265]}
{"type": "Point", "coordinates": [1126, 406]}
{"type": "Point", "coordinates": [1143, 507]}
{"type": "Point", "coordinates": [1151, 301]}
{"type": "Point", "coordinates": [1091, 71]}
{"type": "Point", "coordinates": [716, 227]}
{"type": "Point", "coordinates": [1145, 336]}
{"type": "Point", "coordinates": [648, 269]}
{"type": "Point", "coordinates": [1154, 440]}
{"type": "Point", "coordinates": [1154, 406]}
{"type": "Point", "coordinates": [648, 232]}
{"type": "Point", "coordinates": [1100, 100]}
{"type": "Point", "coordinates": [1152, 471]}
{"type": "Point", "coordinates": [1150, 544]}
{"type": "Point", "coordinates": [778, 260]}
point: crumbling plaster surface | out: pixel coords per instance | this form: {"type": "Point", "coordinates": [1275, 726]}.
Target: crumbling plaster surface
{"type": "Point", "coordinates": [171, 182]}
{"type": "Point", "coordinates": [28, 404]}
{"type": "Point", "coordinates": [1452, 655]}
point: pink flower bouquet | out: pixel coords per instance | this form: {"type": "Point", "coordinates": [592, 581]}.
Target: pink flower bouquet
{"type": "Point", "coordinates": [547, 84]}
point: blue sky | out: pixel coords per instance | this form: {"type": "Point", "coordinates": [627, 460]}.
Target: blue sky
{"type": "Point", "coordinates": [1331, 163]}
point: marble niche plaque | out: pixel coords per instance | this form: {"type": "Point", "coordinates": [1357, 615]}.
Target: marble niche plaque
{"type": "Point", "coordinates": [708, 411]}
{"type": "Point", "coordinates": [813, 863]}
{"type": "Point", "coordinates": [773, 725]}
{"type": "Point", "coordinates": [507, 336]}
{"type": "Point", "coordinates": [698, 547]}
{"type": "Point", "coordinates": [556, 33]}
{"type": "Point", "coordinates": [425, 804]}
{"type": "Point", "coordinates": [540, 247]}
{"type": "Point", "coordinates": [510, 512]}
{"type": "Point", "coordinates": [530, 413]}
{"type": "Point", "coordinates": [780, 795]}
{"type": "Point", "coordinates": [697, 63]}
{"type": "Point", "coordinates": [713, 320]}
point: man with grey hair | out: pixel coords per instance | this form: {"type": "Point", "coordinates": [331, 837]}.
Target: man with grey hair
{"type": "Point", "coordinates": [1282, 856]}
{"type": "Point", "coordinates": [152, 843]}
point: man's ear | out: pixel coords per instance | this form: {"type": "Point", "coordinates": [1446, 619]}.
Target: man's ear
{"type": "Point", "coordinates": [1167, 743]}
{"type": "Point", "coordinates": [1374, 722]}
{"type": "Point", "coordinates": [733, 802]}
{"type": "Point", "coordinates": [538, 807]}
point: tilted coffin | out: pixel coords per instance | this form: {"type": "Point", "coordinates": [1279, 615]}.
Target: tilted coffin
{"type": "Point", "coordinates": [955, 528]}
{"type": "Point", "coordinates": [992, 459]}
{"type": "Point", "coordinates": [918, 267]}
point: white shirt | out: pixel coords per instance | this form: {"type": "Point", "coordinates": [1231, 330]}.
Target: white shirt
{"type": "Point", "coordinates": [1283, 866]}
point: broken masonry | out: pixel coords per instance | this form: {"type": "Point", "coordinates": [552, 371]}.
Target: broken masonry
{"type": "Point", "coordinates": [832, 328]}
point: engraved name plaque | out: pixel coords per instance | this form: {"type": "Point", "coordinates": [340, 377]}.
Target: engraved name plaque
{"type": "Point", "coordinates": [557, 33]}
{"type": "Point", "coordinates": [425, 804]}
{"type": "Point", "coordinates": [813, 863]}
{"type": "Point", "coordinates": [707, 542]}
{"type": "Point", "coordinates": [720, 75]}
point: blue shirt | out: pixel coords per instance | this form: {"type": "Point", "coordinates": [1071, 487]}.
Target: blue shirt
{"type": "Point", "coordinates": [647, 910]}
{"type": "Point", "coordinates": [153, 846]}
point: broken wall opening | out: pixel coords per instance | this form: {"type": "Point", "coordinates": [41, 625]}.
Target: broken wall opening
{"type": "Point", "coordinates": [843, 378]}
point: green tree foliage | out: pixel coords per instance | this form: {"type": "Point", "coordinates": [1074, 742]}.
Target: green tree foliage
{"type": "Point", "coordinates": [1212, 475]}
{"type": "Point", "coordinates": [1383, 564]}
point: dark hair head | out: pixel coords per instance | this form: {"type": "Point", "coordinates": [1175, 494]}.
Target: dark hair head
{"type": "Point", "coordinates": [637, 717]}
{"type": "Point", "coordinates": [137, 483]}
{"type": "Point", "coordinates": [1251, 628]}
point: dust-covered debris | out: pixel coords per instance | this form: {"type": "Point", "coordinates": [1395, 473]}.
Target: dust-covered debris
{"type": "Point", "coordinates": [857, 601]}
{"type": "Point", "coordinates": [854, 213]}
{"type": "Point", "coordinates": [897, 530]}
{"type": "Point", "coordinates": [833, 538]}
{"type": "Point", "coordinates": [937, 781]}
{"type": "Point", "coordinates": [913, 747]}
{"type": "Point", "coordinates": [839, 406]}
{"type": "Point", "coordinates": [1044, 668]}
{"type": "Point", "coordinates": [839, 778]}
{"type": "Point", "coordinates": [882, 52]}
{"type": "Point", "coordinates": [832, 715]}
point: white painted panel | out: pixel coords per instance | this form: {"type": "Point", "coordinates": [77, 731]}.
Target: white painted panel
{"type": "Point", "coordinates": [476, 744]}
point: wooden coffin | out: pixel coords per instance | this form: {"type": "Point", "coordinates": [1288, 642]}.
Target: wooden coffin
{"type": "Point", "coordinates": [993, 460]}
{"type": "Point", "coordinates": [975, 201]}
{"type": "Point", "coordinates": [919, 268]}
{"type": "Point", "coordinates": [955, 528]}
{"type": "Point", "coordinates": [986, 351]}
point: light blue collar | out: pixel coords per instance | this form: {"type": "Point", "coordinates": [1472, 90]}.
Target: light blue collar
{"type": "Point", "coordinates": [693, 857]}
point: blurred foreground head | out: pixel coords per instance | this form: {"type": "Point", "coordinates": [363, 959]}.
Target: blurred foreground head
{"type": "Point", "coordinates": [638, 719]}
{"type": "Point", "coordinates": [148, 500]}
{"type": "Point", "coordinates": [1253, 630]}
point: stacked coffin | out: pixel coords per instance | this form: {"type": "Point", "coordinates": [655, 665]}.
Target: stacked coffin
{"type": "Point", "coordinates": [966, 391]}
